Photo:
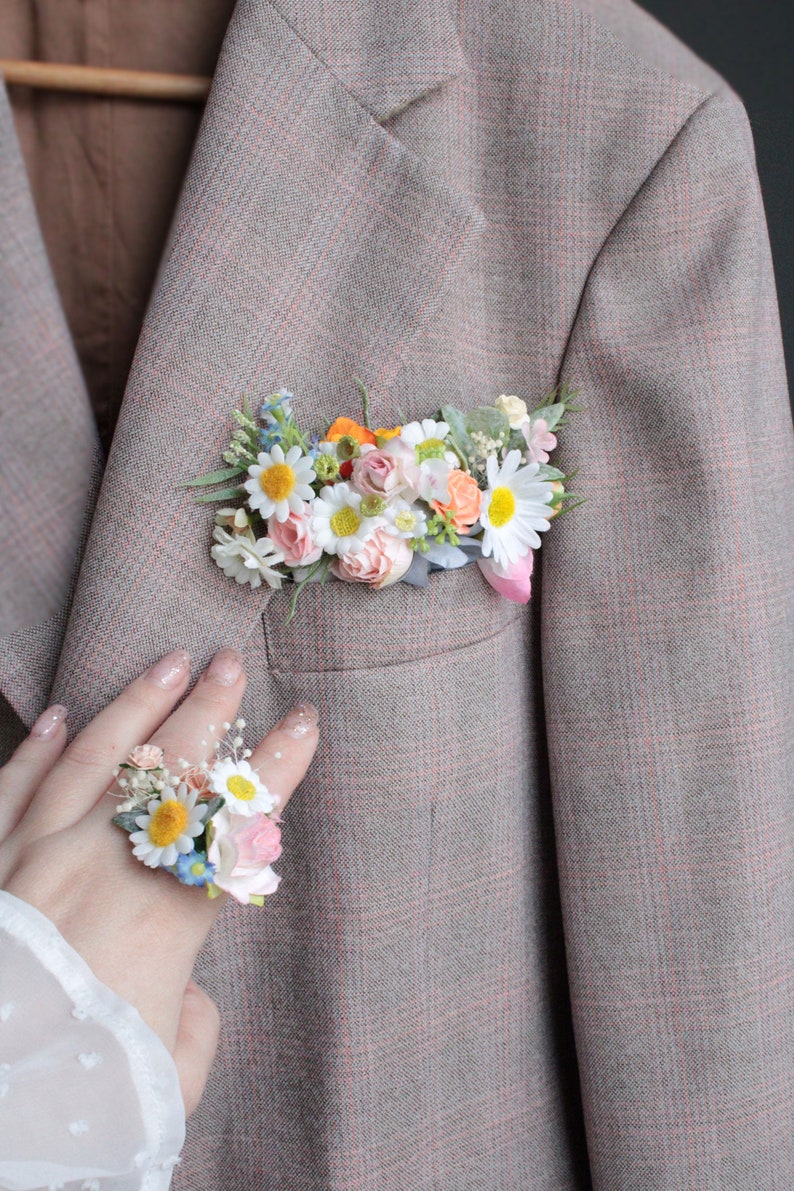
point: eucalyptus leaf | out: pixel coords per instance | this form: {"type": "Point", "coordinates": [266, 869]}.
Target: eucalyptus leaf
{"type": "Point", "coordinates": [546, 472]}
{"type": "Point", "coordinates": [224, 494]}
{"type": "Point", "coordinates": [214, 477]}
{"type": "Point", "coordinates": [126, 820]}
{"type": "Point", "coordinates": [516, 441]}
{"type": "Point", "coordinates": [490, 421]}
{"type": "Point", "coordinates": [550, 413]}
{"type": "Point", "coordinates": [458, 434]}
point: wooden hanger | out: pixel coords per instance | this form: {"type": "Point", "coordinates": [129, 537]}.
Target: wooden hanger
{"type": "Point", "coordinates": [103, 80]}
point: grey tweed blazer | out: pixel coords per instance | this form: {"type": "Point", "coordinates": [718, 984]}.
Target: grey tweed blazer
{"type": "Point", "coordinates": [535, 930]}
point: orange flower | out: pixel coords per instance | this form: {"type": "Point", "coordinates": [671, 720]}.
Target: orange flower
{"type": "Point", "coordinates": [464, 501]}
{"type": "Point", "coordinates": [343, 426]}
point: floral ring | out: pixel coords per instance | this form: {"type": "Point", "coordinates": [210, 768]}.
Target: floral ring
{"type": "Point", "coordinates": [214, 824]}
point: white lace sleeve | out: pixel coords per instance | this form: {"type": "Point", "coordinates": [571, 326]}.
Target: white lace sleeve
{"type": "Point", "coordinates": [89, 1095]}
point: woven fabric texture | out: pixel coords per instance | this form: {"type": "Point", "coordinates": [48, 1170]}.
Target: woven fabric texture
{"type": "Point", "coordinates": [535, 929]}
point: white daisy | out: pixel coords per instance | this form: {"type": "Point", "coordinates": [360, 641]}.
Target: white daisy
{"type": "Point", "coordinates": [428, 440]}
{"type": "Point", "coordinates": [241, 787]}
{"type": "Point", "coordinates": [515, 507]}
{"type": "Point", "coordinates": [169, 827]}
{"type": "Point", "coordinates": [404, 520]}
{"type": "Point", "coordinates": [247, 559]}
{"type": "Point", "coordinates": [337, 522]}
{"type": "Point", "coordinates": [279, 482]}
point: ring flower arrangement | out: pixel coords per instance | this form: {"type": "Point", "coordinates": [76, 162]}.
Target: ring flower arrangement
{"type": "Point", "coordinates": [379, 506]}
{"type": "Point", "coordinates": [213, 825]}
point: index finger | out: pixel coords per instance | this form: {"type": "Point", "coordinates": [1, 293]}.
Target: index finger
{"type": "Point", "coordinates": [282, 756]}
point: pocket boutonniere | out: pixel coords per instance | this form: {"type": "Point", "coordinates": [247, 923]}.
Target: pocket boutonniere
{"type": "Point", "coordinates": [380, 506]}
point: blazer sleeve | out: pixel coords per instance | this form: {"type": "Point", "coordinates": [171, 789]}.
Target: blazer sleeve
{"type": "Point", "coordinates": [667, 656]}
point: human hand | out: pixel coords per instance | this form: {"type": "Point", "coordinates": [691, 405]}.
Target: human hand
{"type": "Point", "coordinates": [138, 930]}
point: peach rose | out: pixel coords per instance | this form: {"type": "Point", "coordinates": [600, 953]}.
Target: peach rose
{"type": "Point", "coordinates": [464, 501]}
{"type": "Point", "coordinates": [294, 538]}
{"type": "Point", "coordinates": [146, 756]}
{"type": "Point", "coordinates": [383, 561]}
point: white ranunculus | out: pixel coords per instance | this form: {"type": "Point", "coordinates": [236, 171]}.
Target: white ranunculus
{"type": "Point", "coordinates": [514, 409]}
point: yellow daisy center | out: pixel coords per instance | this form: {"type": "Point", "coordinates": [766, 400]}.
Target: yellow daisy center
{"type": "Point", "coordinates": [405, 521]}
{"type": "Point", "coordinates": [241, 788]}
{"type": "Point", "coordinates": [501, 508]}
{"type": "Point", "coordinates": [277, 481]}
{"type": "Point", "coordinates": [430, 448]}
{"type": "Point", "coordinates": [345, 522]}
{"type": "Point", "coordinates": [167, 823]}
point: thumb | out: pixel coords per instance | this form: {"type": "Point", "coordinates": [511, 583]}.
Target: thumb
{"type": "Point", "coordinates": [196, 1043]}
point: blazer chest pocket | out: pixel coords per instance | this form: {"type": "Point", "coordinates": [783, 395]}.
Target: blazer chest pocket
{"type": "Point", "coordinates": [349, 626]}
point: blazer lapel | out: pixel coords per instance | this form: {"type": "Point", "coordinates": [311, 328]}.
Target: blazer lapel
{"type": "Point", "coordinates": [49, 453]}
{"type": "Point", "coordinates": [309, 247]}
{"type": "Point", "coordinates": [387, 55]}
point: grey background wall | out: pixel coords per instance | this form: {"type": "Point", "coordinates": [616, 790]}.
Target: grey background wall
{"type": "Point", "coordinates": [751, 45]}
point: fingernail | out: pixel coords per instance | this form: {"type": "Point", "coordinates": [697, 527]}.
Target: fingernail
{"type": "Point", "coordinates": [225, 668]}
{"type": "Point", "coordinates": [48, 722]}
{"type": "Point", "coordinates": [170, 670]}
{"type": "Point", "coordinates": [301, 720]}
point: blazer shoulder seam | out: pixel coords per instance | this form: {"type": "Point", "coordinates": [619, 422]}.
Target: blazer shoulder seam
{"type": "Point", "coordinates": [707, 101]}
{"type": "Point", "coordinates": [713, 84]}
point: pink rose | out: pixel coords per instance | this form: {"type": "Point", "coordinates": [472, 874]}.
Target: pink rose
{"type": "Point", "coordinates": [383, 560]}
{"type": "Point", "coordinates": [242, 849]}
{"type": "Point", "coordinates": [375, 473]}
{"type": "Point", "coordinates": [540, 440]}
{"type": "Point", "coordinates": [294, 538]}
{"type": "Point", "coordinates": [146, 756]}
{"type": "Point", "coordinates": [512, 582]}
{"type": "Point", "coordinates": [257, 839]}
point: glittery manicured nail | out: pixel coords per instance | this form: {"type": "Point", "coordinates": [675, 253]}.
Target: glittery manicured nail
{"type": "Point", "coordinates": [301, 720]}
{"type": "Point", "coordinates": [225, 668]}
{"type": "Point", "coordinates": [48, 722]}
{"type": "Point", "coordinates": [170, 670]}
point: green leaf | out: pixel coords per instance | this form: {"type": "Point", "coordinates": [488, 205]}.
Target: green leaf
{"type": "Point", "coordinates": [568, 503]}
{"type": "Point", "coordinates": [214, 477]}
{"type": "Point", "coordinates": [126, 820]}
{"type": "Point", "coordinates": [224, 494]}
{"type": "Point", "coordinates": [458, 435]}
{"type": "Point", "coordinates": [546, 472]}
{"type": "Point", "coordinates": [320, 567]}
{"type": "Point", "coordinates": [551, 413]}
{"type": "Point", "coordinates": [211, 808]}
{"type": "Point", "coordinates": [490, 421]}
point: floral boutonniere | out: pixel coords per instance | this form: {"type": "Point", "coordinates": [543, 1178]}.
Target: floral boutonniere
{"type": "Point", "coordinates": [377, 506]}
{"type": "Point", "coordinates": [214, 825]}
